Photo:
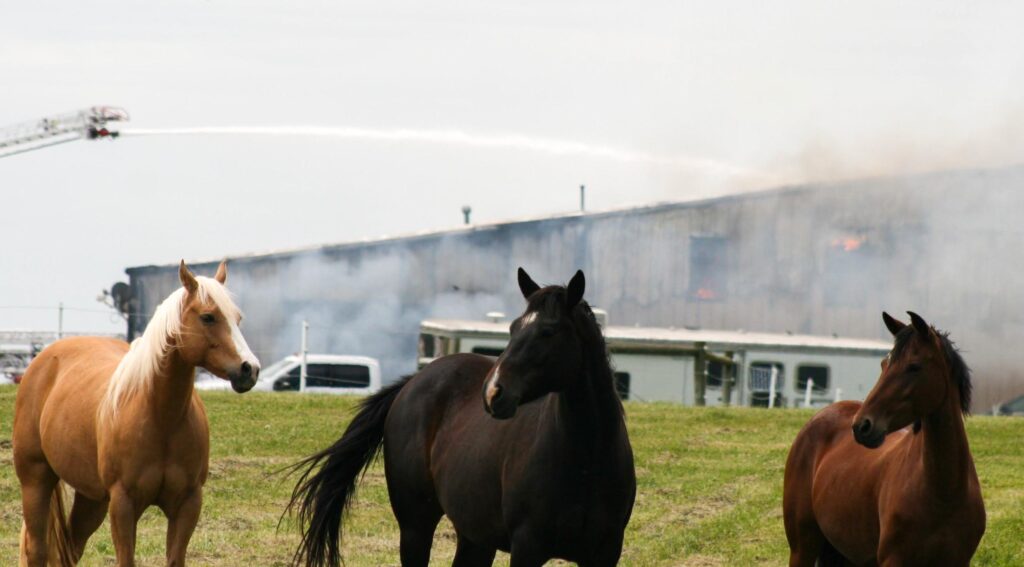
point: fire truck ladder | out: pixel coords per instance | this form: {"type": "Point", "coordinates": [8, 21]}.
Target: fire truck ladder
{"type": "Point", "coordinates": [88, 124]}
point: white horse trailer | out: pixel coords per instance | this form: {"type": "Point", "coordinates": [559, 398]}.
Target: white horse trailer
{"type": "Point", "coordinates": [701, 367]}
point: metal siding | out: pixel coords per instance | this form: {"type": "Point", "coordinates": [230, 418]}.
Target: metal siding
{"type": "Point", "coordinates": [948, 247]}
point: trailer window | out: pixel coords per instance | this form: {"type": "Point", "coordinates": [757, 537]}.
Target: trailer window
{"type": "Point", "coordinates": [715, 372]}
{"type": "Point", "coordinates": [816, 372]}
{"type": "Point", "coordinates": [761, 376]}
{"type": "Point", "coordinates": [426, 346]}
{"type": "Point", "coordinates": [622, 384]}
{"type": "Point", "coordinates": [488, 351]}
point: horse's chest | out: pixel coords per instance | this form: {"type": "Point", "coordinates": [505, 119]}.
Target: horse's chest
{"type": "Point", "coordinates": [946, 537]}
{"type": "Point", "coordinates": [158, 467]}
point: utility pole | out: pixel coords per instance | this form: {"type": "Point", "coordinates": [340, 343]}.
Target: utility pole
{"type": "Point", "coordinates": [305, 351]}
{"type": "Point", "coordinates": [583, 194]}
{"type": "Point", "coordinates": [60, 320]}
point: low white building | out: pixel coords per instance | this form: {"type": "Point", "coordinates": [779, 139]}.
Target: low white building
{"type": "Point", "coordinates": [682, 365]}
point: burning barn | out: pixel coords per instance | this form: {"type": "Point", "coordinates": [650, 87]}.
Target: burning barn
{"type": "Point", "coordinates": [813, 260]}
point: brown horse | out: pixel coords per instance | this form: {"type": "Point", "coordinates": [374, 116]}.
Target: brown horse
{"type": "Point", "coordinates": [123, 427]}
{"type": "Point", "coordinates": [540, 466]}
{"type": "Point", "coordinates": [890, 481]}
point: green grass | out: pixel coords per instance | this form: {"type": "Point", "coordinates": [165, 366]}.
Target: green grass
{"type": "Point", "coordinates": [710, 487]}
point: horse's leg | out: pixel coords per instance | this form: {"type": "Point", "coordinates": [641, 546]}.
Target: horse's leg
{"type": "Point", "coordinates": [468, 554]}
{"type": "Point", "coordinates": [86, 517]}
{"type": "Point", "coordinates": [124, 515]}
{"type": "Point", "coordinates": [181, 522]}
{"type": "Point", "coordinates": [416, 540]}
{"type": "Point", "coordinates": [605, 554]}
{"type": "Point", "coordinates": [415, 506]}
{"type": "Point", "coordinates": [37, 483]}
{"type": "Point", "coordinates": [808, 547]}
{"type": "Point", "coordinates": [526, 554]}
{"type": "Point", "coordinates": [521, 559]}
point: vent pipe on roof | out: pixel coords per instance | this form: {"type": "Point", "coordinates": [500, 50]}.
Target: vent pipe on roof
{"type": "Point", "coordinates": [466, 209]}
{"type": "Point", "coordinates": [583, 194]}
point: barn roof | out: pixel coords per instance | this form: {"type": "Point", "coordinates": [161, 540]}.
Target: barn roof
{"type": "Point", "coordinates": [686, 339]}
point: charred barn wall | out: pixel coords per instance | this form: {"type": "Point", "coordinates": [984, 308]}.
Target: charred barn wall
{"type": "Point", "coordinates": [810, 259]}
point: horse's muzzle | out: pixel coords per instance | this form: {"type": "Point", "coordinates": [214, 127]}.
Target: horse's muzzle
{"type": "Point", "coordinates": [245, 378]}
{"type": "Point", "coordinates": [498, 403]}
{"type": "Point", "coordinates": [868, 434]}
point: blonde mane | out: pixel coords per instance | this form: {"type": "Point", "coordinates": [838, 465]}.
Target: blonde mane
{"type": "Point", "coordinates": [143, 362]}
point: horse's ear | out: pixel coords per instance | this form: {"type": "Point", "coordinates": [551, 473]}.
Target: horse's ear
{"type": "Point", "coordinates": [222, 272]}
{"type": "Point", "coordinates": [526, 284]}
{"type": "Point", "coordinates": [891, 323]}
{"type": "Point", "coordinates": [919, 324]}
{"type": "Point", "coordinates": [188, 279]}
{"type": "Point", "coordinates": [574, 292]}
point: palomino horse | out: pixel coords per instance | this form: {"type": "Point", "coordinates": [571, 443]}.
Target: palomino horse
{"type": "Point", "coordinates": [540, 466]}
{"type": "Point", "coordinates": [890, 481]}
{"type": "Point", "coordinates": [123, 426]}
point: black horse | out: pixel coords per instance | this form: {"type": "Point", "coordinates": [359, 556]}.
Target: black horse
{"type": "Point", "coordinates": [541, 466]}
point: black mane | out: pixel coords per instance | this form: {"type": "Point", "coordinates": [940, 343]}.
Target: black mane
{"type": "Point", "coordinates": [961, 373]}
{"type": "Point", "coordinates": [596, 363]}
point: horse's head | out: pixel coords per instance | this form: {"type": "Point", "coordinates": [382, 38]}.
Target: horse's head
{"type": "Point", "coordinates": [545, 351]}
{"type": "Point", "coordinates": [920, 373]}
{"type": "Point", "coordinates": [209, 335]}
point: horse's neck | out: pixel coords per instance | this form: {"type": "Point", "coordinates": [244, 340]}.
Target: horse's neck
{"type": "Point", "coordinates": [591, 417]}
{"type": "Point", "coordinates": [171, 395]}
{"type": "Point", "coordinates": [945, 451]}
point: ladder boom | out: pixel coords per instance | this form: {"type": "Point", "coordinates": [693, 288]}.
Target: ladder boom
{"type": "Point", "coordinates": [90, 124]}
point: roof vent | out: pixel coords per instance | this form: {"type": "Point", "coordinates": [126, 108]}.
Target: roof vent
{"type": "Point", "coordinates": [495, 316]}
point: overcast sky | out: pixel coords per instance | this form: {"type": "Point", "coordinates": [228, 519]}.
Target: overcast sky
{"type": "Point", "coordinates": [511, 107]}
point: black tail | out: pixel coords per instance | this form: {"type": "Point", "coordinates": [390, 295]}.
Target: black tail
{"type": "Point", "coordinates": [322, 496]}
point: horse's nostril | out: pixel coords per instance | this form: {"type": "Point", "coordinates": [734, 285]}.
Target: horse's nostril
{"type": "Point", "coordinates": [865, 425]}
{"type": "Point", "coordinates": [246, 369]}
{"type": "Point", "coordinates": [497, 393]}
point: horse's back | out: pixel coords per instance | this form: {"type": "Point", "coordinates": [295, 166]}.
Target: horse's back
{"type": "Point", "coordinates": [69, 368]}
{"type": "Point", "coordinates": [57, 402]}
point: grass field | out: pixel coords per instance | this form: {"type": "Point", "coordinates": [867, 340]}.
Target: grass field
{"type": "Point", "coordinates": [710, 487]}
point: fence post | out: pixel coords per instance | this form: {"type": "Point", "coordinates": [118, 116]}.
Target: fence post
{"type": "Point", "coordinates": [839, 394]}
{"type": "Point", "coordinates": [807, 393]}
{"type": "Point", "coordinates": [728, 370]}
{"type": "Point", "coordinates": [700, 376]}
{"type": "Point", "coordinates": [772, 384]}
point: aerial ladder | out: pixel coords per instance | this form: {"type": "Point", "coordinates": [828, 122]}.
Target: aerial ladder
{"type": "Point", "coordinates": [88, 124]}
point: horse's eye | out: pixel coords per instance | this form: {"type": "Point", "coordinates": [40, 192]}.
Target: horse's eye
{"type": "Point", "coordinates": [207, 318]}
{"type": "Point", "coordinates": [913, 367]}
{"type": "Point", "coordinates": [547, 331]}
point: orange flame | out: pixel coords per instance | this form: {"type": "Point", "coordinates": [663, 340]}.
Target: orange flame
{"type": "Point", "coordinates": [705, 293]}
{"type": "Point", "coordinates": [849, 243]}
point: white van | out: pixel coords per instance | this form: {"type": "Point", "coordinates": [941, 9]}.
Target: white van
{"type": "Point", "coordinates": [325, 374]}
